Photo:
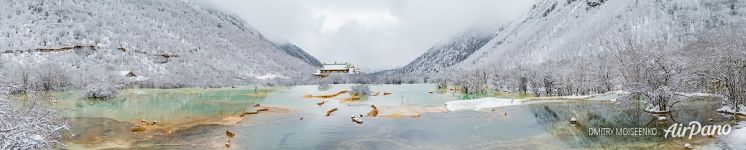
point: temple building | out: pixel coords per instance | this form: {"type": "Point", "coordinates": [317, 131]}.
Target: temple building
{"type": "Point", "coordinates": [335, 68]}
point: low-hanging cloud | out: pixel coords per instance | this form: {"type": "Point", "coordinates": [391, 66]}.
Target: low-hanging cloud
{"type": "Point", "coordinates": [373, 34]}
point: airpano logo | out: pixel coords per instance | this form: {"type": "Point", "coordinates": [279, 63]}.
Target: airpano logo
{"type": "Point", "coordinates": [622, 131]}
{"type": "Point", "coordinates": [695, 128]}
{"type": "Point", "coordinates": [678, 130]}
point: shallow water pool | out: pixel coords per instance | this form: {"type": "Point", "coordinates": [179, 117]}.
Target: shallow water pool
{"type": "Point", "coordinates": [533, 125]}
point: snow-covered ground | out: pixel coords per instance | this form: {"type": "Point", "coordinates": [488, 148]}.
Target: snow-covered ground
{"type": "Point", "coordinates": [269, 76]}
{"type": "Point", "coordinates": [698, 94]}
{"type": "Point", "coordinates": [730, 109]}
{"type": "Point", "coordinates": [482, 104]}
{"type": "Point", "coordinates": [486, 104]}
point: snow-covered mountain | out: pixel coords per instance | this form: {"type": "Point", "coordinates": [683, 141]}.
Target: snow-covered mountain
{"type": "Point", "coordinates": [162, 39]}
{"type": "Point", "coordinates": [297, 52]}
{"type": "Point", "coordinates": [555, 30]}
{"type": "Point", "coordinates": [450, 52]}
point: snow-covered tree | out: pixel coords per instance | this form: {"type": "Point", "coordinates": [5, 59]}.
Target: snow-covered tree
{"type": "Point", "coordinates": [650, 73]}
{"type": "Point", "coordinates": [29, 126]}
{"type": "Point", "coordinates": [360, 90]}
{"type": "Point", "coordinates": [101, 90]}
{"type": "Point", "coordinates": [718, 58]}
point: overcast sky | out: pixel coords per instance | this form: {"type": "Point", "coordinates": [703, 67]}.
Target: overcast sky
{"type": "Point", "coordinates": [372, 34]}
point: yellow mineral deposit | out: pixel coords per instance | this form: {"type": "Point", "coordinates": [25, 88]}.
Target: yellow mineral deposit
{"type": "Point", "coordinates": [138, 129]}
{"type": "Point", "coordinates": [373, 112]}
{"type": "Point", "coordinates": [325, 96]}
{"type": "Point", "coordinates": [351, 98]}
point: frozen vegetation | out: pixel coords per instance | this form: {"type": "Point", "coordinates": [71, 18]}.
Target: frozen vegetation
{"type": "Point", "coordinates": [101, 90]}
{"type": "Point", "coordinates": [360, 90]}
{"type": "Point", "coordinates": [29, 126]}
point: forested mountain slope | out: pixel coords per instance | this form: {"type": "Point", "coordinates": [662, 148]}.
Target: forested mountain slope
{"type": "Point", "coordinates": [564, 30]}
{"type": "Point", "coordinates": [448, 53]}
{"type": "Point", "coordinates": [297, 52]}
{"type": "Point", "coordinates": [167, 41]}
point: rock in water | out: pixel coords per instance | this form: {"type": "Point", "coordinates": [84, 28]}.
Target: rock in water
{"type": "Point", "coordinates": [573, 120]}
{"type": "Point", "coordinates": [229, 133]}
{"type": "Point", "coordinates": [688, 146]}
{"type": "Point", "coordinates": [357, 120]}
{"type": "Point", "coordinates": [321, 103]}
{"type": "Point", "coordinates": [329, 112]}
{"type": "Point", "coordinates": [662, 118]}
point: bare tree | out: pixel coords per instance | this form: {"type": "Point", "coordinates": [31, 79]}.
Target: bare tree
{"type": "Point", "coordinates": [718, 59]}
{"type": "Point", "coordinates": [50, 77]}
{"type": "Point", "coordinates": [523, 85]}
{"type": "Point", "coordinates": [649, 72]}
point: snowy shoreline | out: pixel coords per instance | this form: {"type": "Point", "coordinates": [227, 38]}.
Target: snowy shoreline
{"type": "Point", "coordinates": [482, 104]}
{"type": "Point", "coordinates": [730, 110]}
{"type": "Point", "coordinates": [488, 103]}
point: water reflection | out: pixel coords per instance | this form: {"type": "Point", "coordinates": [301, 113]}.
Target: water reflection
{"type": "Point", "coordinates": [553, 117]}
{"type": "Point", "coordinates": [162, 105]}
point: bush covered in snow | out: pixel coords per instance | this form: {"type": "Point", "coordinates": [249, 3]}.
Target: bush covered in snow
{"type": "Point", "coordinates": [30, 126]}
{"type": "Point", "coordinates": [101, 90]}
{"type": "Point", "coordinates": [441, 83]}
{"type": "Point", "coordinates": [360, 90]}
